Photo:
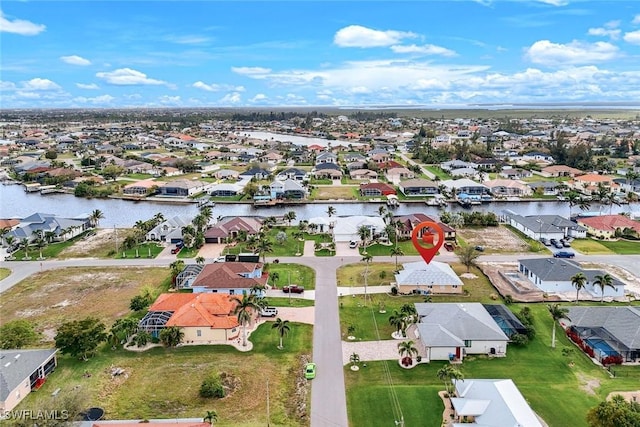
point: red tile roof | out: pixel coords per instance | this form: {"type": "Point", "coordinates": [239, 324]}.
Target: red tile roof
{"type": "Point", "coordinates": [226, 275]}
{"type": "Point", "coordinates": [198, 309]}
{"type": "Point", "coordinates": [610, 223]}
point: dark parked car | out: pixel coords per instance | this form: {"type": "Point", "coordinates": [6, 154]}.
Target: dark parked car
{"type": "Point", "coordinates": [558, 245]}
{"type": "Point", "coordinates": [545, 241]}
{"type": "Point", "coordinates": [480, 248]}
{"type": "Point", "coordinates": [176, 250]}
{"type": "Point", "coordinates": [294, 289]}
{"type": "Point", "coordinates": [564, 254]}
{"type": "Point", "coordinates": [449, 246]}
{"type": "Point", "coordinates": [553, 241]}
{"type": "Point", "coordinates": [565, 244]}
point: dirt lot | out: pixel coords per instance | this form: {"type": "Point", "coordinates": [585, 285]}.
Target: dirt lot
{"type": "Point", "coordinates": [52, 297]}
{"type": "Point", "coordinates": [493, 239]}
{"type": "Point", "coordinates": [96, 245]}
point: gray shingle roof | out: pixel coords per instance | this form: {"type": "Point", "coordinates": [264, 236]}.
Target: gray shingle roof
{"type": "Point", "coordinates": [560, 270]}
{"type": "Point", "coordinates": [621, 322]}
{"type": "Point", "coordinates": [468, 321]}
{"type": "Point", "coordinates": [13, 371]}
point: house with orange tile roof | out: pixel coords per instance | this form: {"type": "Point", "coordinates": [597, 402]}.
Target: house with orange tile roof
{"type": "Point", "coordinates": [589, 182]}
{"type": "Point", "coordinates": [142, 187]}
{"type": "Point", "coordinates": [204, 318]}
{"type": "Point", "coordinates": [605, 226]}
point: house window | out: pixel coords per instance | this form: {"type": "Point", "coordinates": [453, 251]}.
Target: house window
{"type": "Point", "coordinates": [455, 286]}
{"type": "Point", "coordinates": [231, 292]}
{"type": "Point", "coordinates": [198, 333]}
{"type": "Point", "coordinates": [467, 343]}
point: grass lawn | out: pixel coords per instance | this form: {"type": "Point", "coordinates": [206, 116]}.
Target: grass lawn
{"type": "Point", "coordinates": [289, 247]}
{"type": "Point", "coordinates": [140, 395]}
{"type": "Point", "coordinates": [544, 376]}
{"type": "Point", "coordinates": [382, 250]}
{"type": "Point", "coordinates": [296, 274]}
{"type": "Point", "coordinates": [59, 249]}
{"type": "Point", "coordinates": [293, 302]}
{"type": "Point", "coordinates": [380, 273]}
{"type": "Point", "coordinates": [144, 250]}
{"type": "Point", "coordinates": [590, 247]}
{"type": "Point", "coordinates": [4, 273]}
{"type": "Point", "coordinates": [54, 296]}
{"type": "Point", "coordinates": [437, 172]}
{"type": "Point", "coordinates": [354, 312]}
{"type": "Point", "coordinates": [623, 247]}
{"type": "Point", "coordinates": [334, 192]}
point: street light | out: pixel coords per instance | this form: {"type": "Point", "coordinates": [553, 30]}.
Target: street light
{"type": "Point", "coordinates": [540, 229]}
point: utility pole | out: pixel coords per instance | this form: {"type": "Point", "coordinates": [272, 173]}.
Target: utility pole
{"type": "Point", "coordinates": [115, 230]}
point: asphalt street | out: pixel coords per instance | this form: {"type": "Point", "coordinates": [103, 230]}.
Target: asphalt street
{"type": "Point", "coordinates": [328, 398]}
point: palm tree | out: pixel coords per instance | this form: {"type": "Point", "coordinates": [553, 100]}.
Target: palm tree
{"type": "Point", "coordinates": [331, 211]}
{"type": "Point", "coordinates": [256, 290]}
{"type": "Point", "coordinates": [243, 310]}
{"type": "Point", "coordinates": [274, 276]}
{"type": "Point", "coordinates": [211, 417]}
{"type": "Point", "coordinates": [573, 198]}
{"type": "Point", "coordinates": [283, 328]}
{"type": "Point", "coordinates": [40, 242]}
{"type": "Point", "coordinates": [363, 233]}
{"type": "Point", "coordinates": [289, 216]}
{"type": "Point", "coordinates": [354, 358]}
{"type": "Point", "coordinates": [603, 281]}
{"type": "Point", "coordinates": [176, 268]}
{"type": "Point", "coordinates": [406, 348]}
{"type": "Point", "coordinates": [24, 244]}
{"type": "Point", "coordinates": [200, 260]}
{"type": "Point", "coordinates": [468, 256]}
{"type": "Point", "coordinates": [95, 217]}
{"type": "Point", "coordinates": [557, 313]}
{"type": "Point", "coordinates": [381, 211]}
{"type": "Point", "coordinates": [397, 251]}
{"type": "Point", "coordinates": [264, 246]}
{"type": "Point", "coordinates": [578, 281]}
{"type": "Point", "coordinates": [171, 336]}
{"type": "Point", "coordinates": [207, 213]}
{"type": "Point", "coordinates": [367, 260]}
{"type": "Point", "coordinates": [397, 320]}
{"type": "Point", "coordinates": [448, 373]}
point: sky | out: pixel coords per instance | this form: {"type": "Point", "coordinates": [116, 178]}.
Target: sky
{"type": "Point", "coordinates": [434, 54]}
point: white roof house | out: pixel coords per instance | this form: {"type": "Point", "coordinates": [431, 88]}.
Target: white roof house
{"type": "Point", "coordinates": [491, 403]}
{"type": "Point", "coordinates": [346, 228]}
{"type": "Point", "coordinates": [435, 277]}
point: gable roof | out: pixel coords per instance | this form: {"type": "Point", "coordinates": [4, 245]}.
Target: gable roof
{"type": "Point", "coordinates": [227, 225]}
{"type": "Point", "coordinates": [468, 321]}
{"type": "Point", "coordinates": [493, 403]}
{"type": "Point", "coordinates": [622, 322]}
{"type": "Point", "coordinates": [435, 273]}
{"type": "Point", "coordinates": [560, 270]}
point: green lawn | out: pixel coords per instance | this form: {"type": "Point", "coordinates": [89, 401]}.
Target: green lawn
{"type": "Point", "coordinates": [622, 247]}
{"type": "Point", "coordinates": [544, 376]}
{"type": "Point", "coordinates": [140, 395]}
{"type": "Point", "coordinates": [382, 250]}
{"type": "Point", "coordinates": [289, 247]}
{"type": "Point", "coordinates": [143, 250]}
{"type": "Point", "coordinates": [590, 247]}
{"type": "Point", "coordinates": [289, 302]}
{"type": "Point", "coordinates": [295, 274]}
{"type": "Point", "coordinates": [438, 172]}
{"type": "Point", "coordinates": [380, 273]}
{"type": "Point", "coordinates": [51, 250]}
{"type": "Point", "coordinates": [4, 273]}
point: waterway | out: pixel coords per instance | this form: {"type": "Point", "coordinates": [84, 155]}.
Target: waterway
{"type": "Point", "coordinates": [296, 139]}
{"type": "Point", "coordinates": [16, 203]}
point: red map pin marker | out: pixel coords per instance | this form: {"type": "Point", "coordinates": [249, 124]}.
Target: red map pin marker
{"type": "Point", "coordinates": [427, 238]}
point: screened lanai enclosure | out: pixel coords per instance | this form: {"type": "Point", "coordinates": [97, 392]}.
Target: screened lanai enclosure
{"type": "Point", "coordinates": [154, 321]}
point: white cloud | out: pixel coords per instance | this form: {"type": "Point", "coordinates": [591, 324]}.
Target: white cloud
{"type": "Point", "coordinates": [358, 36]}
{"type": "Point", "coordinates": [189, 39]}
{"type": "Point", "coordinates": [128, 77]}
{"type": "Point", "coordinates": [231, 98]}
{"type": "Point", "coordinates": [613, 33]}
{"type": "Point", "coordinates": [169, 100]}
{"type": "Point", "coordinates": [636, 20]}
{"type": "Point", "coordinates": [427, 49]}
{"type": "Point", "coordinates": [40, 84]}
{"type": "Point", "coordinates": [556, 54]}
{"type": "Point", "coordinates": [5, 85]}
{"type": "Point", "coordinates": [20, 26]}
{"type": "Point", "coordinates": [75, 60]}
{"type": "Point", "coordinates": [90, 86]}
{"type": "Point", "coordinates": [97, 100]}
{"type": "Point", "coordinates": [251, 71]}
{"type": "Point", "coordinates": [217, 87]}
{"type": "Point", "coordinates": [555, 2]}
{"type": "Point", "coordinates": [632, 37]}
{"type": "Point", "coordinates": [259, 97]}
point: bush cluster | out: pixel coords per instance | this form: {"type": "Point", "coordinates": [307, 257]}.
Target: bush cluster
{"type": "Point", "coordinates": [212, 387]}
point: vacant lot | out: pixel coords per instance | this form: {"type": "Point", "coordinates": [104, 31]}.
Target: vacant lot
{"type": "Point", "coordinates": [494, 239]}
{"type": "Point", "coordinates": [337, 192]}
{"type": "Point", "coordinates": [49, 298]}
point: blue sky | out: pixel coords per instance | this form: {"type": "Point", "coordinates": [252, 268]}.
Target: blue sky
{"type": "Point", "coordinates": [331, 53]}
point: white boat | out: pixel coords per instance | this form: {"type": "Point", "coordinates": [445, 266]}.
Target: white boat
{"type": "Point", "coordinates": [392, 201]}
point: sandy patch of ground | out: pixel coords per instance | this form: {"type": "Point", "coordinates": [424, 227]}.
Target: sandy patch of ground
{"type": "Point", "coordinates": [588, 384]}
{"type": "Point", "coordinates": [468, 276]}
{"type": "Point", "coordinates": [496, 239]}
{"type": "Point", "coordinates": [102, 236]}
{"type": "Point", "coordinates": [631, 281]}
{"type": "Point", "coordinates": [630, 396]}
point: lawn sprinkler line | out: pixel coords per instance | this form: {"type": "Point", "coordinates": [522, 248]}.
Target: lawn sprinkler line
{"type": "Point", "coordinates": [393, 396]}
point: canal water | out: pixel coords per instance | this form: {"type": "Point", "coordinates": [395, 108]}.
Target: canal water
{"type": "Point", "coordinates": [16, 203]}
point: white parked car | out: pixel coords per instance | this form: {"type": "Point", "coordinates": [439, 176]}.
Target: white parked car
{"type": "Point", "coordinates": [221, 258]}
{"type": "Point", "coordinates": [268, 312]}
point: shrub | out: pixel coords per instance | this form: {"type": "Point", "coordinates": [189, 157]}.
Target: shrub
{"type": "Point", "coordinates": [508, 299]}
{"type": "Point", "coordinates": [519, 339]}
{"type": "Point", "coordinates": [212, 387]}
{"type": "Point", "coordinates": [394, 291]}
